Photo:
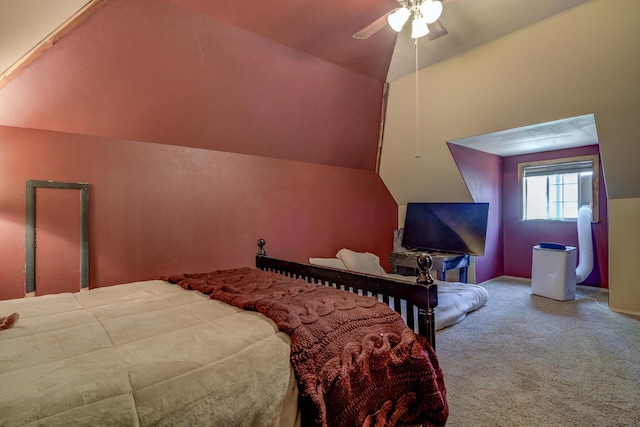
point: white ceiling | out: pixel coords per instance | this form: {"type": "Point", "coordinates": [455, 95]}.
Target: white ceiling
{"type": "Point", "coordinates": [25, 23]}
{"type": "Point", "coordinates": [558, 134]}
{"type": "Point", "coordinates": [471, 23]}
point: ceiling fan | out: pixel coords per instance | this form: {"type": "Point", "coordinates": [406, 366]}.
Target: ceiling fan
{"type": "Point", "coordinates": [425, 21]}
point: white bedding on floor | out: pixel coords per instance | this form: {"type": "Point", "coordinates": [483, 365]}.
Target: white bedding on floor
{"type": "Point", "coordinates": [455, 299]}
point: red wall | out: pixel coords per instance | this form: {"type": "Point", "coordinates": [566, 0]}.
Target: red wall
{"type": "Point", "coordinates": [149, 70]}
{"type": "Point", "coordinates": [521, 236]}
{"type": "Point", "coordinates": [196, 138]}
{"type": "Point", "coordinates": [157, 209]}
{"type": "Point", "coordinates": [482, 173]}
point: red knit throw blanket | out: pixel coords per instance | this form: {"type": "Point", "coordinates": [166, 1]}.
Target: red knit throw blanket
{"type": "Point", "coordinates": [355, 360]}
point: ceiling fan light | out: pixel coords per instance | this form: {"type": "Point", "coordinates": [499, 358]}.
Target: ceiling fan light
{"type": "Point", "coordinates": [398, 18]}
{"type": "Point", "coordinates": [431, 10]}
{"type": "Point", "coordinates": [419, 28]}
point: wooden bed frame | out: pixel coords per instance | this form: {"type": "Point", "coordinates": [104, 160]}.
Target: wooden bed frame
{"type": "Point", "coordinates": [423, 294]}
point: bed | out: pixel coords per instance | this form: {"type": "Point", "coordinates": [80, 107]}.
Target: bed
{"type": "Point", "coordinates": [159, 353]}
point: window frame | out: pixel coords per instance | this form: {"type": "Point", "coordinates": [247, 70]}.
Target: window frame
{"type": "Point", "coordinates": [595, 182]}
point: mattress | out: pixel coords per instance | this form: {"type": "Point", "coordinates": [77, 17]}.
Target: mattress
{"type": "Point", "coordinates": [144, 353]}
{"type": "Point", "coordinates": [455, 300]}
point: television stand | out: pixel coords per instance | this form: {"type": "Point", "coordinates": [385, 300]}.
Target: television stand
{"type": "Point", "coordinates": [404, 262]}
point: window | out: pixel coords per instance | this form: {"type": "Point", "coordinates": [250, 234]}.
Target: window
{"type": "Point", "coordinates": [555, 189]}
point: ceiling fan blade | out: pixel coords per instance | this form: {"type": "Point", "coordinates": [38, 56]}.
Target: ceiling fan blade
{"type": "Point", "coordinates": [436, 30]}
{"type": "Point", "coordinates": [374, 27]}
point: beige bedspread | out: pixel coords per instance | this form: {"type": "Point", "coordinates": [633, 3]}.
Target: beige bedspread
{"type": "Point", "coordinates": [145, 353]}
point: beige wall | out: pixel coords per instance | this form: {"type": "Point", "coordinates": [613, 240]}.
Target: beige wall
{"type": "Point", "coordinates": [582, 61]}
{"type": "Point", "coordinates": [27, 22]}
{"type": "Point", "coordinates": [624, 290]}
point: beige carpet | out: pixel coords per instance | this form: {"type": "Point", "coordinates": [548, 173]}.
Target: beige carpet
{"type": "Point", "coordinates": [525, 360]}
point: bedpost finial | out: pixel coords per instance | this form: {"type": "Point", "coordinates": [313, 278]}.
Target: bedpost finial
{"type": "Point", "coordinates": [261, 245]}
{"type": "Point", "coordinates": [424, 263]}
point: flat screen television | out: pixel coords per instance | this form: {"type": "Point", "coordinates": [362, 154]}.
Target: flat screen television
{"type": "Point", "coordinates": [446, 227]}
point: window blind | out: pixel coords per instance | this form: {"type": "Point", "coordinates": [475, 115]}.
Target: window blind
{"type": "Point", "coordinates": [558, 168]}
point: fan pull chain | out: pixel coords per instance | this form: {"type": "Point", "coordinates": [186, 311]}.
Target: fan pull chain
{"type": "Point", "coordinates": [417, 146]}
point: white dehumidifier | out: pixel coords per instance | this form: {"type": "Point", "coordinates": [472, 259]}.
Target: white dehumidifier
{"type": "Point", "coordinates": [553, 272]}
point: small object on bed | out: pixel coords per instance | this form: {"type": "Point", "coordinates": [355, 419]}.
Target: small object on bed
{"type": "Point", "coordinates": [9, 321]}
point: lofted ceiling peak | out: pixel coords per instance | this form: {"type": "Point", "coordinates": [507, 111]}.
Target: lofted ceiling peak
{"type": "Point", "coordinates": [323, 29]}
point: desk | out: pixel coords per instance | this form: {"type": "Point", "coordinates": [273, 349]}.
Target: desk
{"type": "Point", "coordinates": [400, 261]}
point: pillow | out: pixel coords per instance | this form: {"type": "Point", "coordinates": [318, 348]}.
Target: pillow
{"type": "Point", "coordinates": [328, 262]}
{"type": "Point", "coordinates": [362, 262]}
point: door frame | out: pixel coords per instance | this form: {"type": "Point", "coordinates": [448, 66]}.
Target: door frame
{"type": "Point", "coordinates": [30, 266]}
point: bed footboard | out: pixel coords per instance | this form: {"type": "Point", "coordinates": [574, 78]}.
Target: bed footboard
{"type": "Point", "coordinates": [423, 295]}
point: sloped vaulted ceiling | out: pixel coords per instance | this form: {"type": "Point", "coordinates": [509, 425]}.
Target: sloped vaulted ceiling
{"type": "Point", "coordinates": [188, 74]}
{"type": "Point", "coordinates": [320, 28]}
{"type": "Point", "coordinates": [276, 78]}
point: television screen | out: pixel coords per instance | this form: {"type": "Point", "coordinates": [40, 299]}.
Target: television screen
{"type": "Point", "coordinates": [446, 227]}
